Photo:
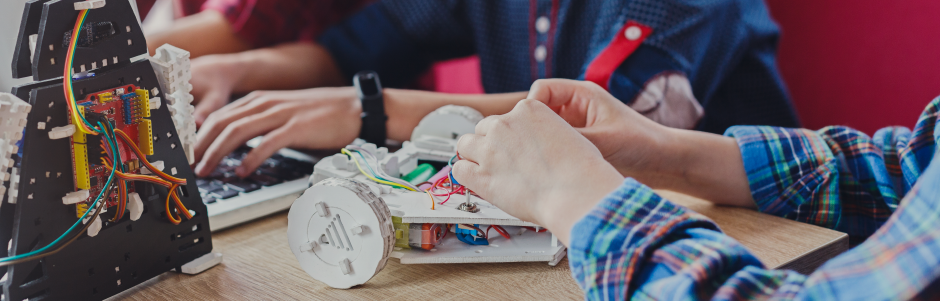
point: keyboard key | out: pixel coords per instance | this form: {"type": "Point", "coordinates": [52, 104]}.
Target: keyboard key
{"type": "Point", "coordinates": [224, 193]}
{"type": "Point", "coordinates": [264, 180]}
{"type": "Point", "coordinates": [201, 182]}
{"type": "Point", "coordinates": [211, 186]}
{"type": "Point", "coordinates": [208, 200]}
{"type": "Point", "coordinates": [243, 186]}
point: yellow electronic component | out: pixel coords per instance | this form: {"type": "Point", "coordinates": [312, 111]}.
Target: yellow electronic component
{"type": "Point", "coordinates": [143, 102]}
{"type": "Point", "coordinates": [401, 233]}
{"type": "Point", "coordinates": [79, 136]}
{"type": "Point", "coordinates": [80, 209]}
{"type": "Point", "coordinates": [145, 137]}
{"type": "Point", "coordinates": [80, 165]}
{"type": "Point", "coordinates": [105, 97]}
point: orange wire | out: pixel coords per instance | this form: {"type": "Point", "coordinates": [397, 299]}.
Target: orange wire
{"type": "Point", "coordinates": [432, 198]}
{"type": "Point", "coordinates": [174, 220]}
{"type": "Point", "coordinates": [142, 157]}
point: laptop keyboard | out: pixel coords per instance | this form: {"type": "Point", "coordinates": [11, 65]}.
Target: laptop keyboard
{"type": "Point", "coordinates": [223, 184]}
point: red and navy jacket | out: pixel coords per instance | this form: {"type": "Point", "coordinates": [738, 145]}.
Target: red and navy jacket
{"type": "Point", "coordinates": [726, 48]}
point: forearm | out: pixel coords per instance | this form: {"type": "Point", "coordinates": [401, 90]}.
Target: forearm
{"type": "Point", "coordinates": [703, 165]}
{"type": "Point", "coordinates": [405, 108]}
{"type": "Point", "coordinates": [207, 32]}
{"type": "Point", "coordinates": [286, 67]}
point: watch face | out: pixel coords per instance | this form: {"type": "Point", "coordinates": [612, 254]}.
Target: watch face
{"type": "Point", "coordinates": [368, 83]}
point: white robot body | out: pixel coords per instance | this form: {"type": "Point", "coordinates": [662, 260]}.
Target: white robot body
{"type": "Point", "coordinates": [338, 184]}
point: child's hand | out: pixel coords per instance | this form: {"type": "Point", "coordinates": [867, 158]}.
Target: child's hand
{"type": "Point", "coordinates": [214, 79]}
{"type": "Point", "coordinates": [533, 165]}
{"type": "Point", "coordinates": [628, 140]}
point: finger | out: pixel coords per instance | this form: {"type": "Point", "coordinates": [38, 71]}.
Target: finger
{"type": "Point", "coordinates": [469, 147]}
{"type": "Point", "coordinates": [236, 134]}
{"type": "Point", "coordinates": [247, 99]}
{"type": "Point", "coordinates": [211, 102]}
{"type": "Point", "coordinates": [220, 120]}
{"type": "Point", "coordinates": [556, 92]}
{"type": "Point", "coordinates": [487, 124]}
{"type": "Point", "coordinates": [270, 144]}
{"type": "Point", "coordinates": [471, 175]}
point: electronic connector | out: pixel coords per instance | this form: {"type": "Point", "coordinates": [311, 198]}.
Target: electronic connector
{"type": "Point", "coordinates": [145, 137]}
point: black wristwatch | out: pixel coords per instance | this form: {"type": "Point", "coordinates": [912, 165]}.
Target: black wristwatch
{"type": "Point", "coordinates": [373, 115]}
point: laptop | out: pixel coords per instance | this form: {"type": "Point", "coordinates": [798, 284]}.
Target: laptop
{"type": "Point", "coordinates": [272, 188]}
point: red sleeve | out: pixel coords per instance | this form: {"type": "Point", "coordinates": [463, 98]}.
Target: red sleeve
{"type": "Point", "coordinates": [268, 22]}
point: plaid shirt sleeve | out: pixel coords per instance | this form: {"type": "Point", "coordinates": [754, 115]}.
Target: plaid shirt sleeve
{"type": "Point", "coordinates": [636, 245]}
{"type": "Point", "coordinates": [836, 177]}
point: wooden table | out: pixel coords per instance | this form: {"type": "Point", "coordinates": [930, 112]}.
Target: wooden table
{"type": "Point", "coordinates": [258, 265]}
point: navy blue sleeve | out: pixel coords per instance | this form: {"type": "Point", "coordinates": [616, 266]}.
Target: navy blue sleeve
{"type": "Point", "coordinates": [399, 39]}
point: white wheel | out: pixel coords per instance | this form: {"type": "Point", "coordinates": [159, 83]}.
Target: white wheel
{"type": "Point", "coordinates": [448, 122]}
{"type": "Point", "coordinates": [340, 232]}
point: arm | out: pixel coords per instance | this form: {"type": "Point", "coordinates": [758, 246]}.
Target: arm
{"type": "Point", "coordinates": [635, 244]}
{"type": "Point", "coordinates": [319, 118]}
{"type": "Point", "coordinates": [835, 177]}
{"type": "Point", "coordinates": [632, 243]}
{"type": "Point", "coordinates": [656, 155]}
{"type": "Point", "coordinates": [207, 32]}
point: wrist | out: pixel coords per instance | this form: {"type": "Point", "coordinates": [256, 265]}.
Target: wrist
{"type": "Point", "coordinates": [566, 204]}
{"type": "Point", "coordinates": [233, 68]}
{"type": "Point", "coordinates": [405, 108]}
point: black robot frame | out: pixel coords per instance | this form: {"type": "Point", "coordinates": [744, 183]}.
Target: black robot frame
{"type": "Point", "coordinates": [124, 253]}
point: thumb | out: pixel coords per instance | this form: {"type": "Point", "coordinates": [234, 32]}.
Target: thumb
{"type": "Point", "coordinates": [469, 174]}
{"type": "Point", "coordinates": [554, 92]}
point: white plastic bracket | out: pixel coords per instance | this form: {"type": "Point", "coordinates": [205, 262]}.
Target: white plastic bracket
{"type": "Point", "coordinates": [75, 197]}
{"type": "Point", "coordinates": [135, 205]}
{"type": "Point", "coordinates": [62, 132]}
{"type": "Point", "coordinates": [358, 229]}
{"type": "Point", "coordinates": [309, 246]}
{"type": "Point", "coordinates": [89, 4]}
{"type": "Point", "coordinates": [95, 227]}
{"type": "Point", "coordinates": [322, 209]}
{"type": "Point", "coordinates": [202, 264]}
{"type": "Point", "coordinates": [155, 103]}
{"type": "Point", "coordinates": [158, 164]}
{"type": "Point", "coordinates": [345, 266]}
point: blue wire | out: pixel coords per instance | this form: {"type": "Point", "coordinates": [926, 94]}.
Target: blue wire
{"type": "Point", "coordinates": [450, 163]}
{"type": "Point", "coordinates": [370, 167]}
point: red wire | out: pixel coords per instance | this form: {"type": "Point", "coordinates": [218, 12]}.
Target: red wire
{"type": "Point", "coordinates": [536, 231]}
{"type": "Point", "coordinates": [498, 229]}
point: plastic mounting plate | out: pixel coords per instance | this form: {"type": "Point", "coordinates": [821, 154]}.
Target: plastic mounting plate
{"type": "Point", "coordinates": [123, 254]}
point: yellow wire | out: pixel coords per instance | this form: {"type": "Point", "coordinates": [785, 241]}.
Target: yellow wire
{"type": "Point", "coordinates": [346, 152]}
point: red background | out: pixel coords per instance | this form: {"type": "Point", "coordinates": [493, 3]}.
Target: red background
{"type": "Point", "coordinates": [862, 63]}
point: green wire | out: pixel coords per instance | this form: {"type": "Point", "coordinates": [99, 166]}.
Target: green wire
{"type": "Point", "coordinates": [57, 240]}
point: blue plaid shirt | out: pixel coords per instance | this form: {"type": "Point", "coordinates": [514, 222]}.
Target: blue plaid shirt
{"type": "Point", "coordinates": [727, 48]}
{"type": "Point", "coordinates": [637, 245]}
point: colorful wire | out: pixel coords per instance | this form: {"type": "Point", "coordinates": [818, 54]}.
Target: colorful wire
{"type": "Point", "coordinates": [373, 178]}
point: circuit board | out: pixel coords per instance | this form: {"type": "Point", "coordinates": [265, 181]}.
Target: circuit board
{"type": "Point", "coordinates": [125, 108]}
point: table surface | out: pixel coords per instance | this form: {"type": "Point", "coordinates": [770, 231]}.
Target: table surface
{"type": "Point", "coordinates": [258, 265]}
